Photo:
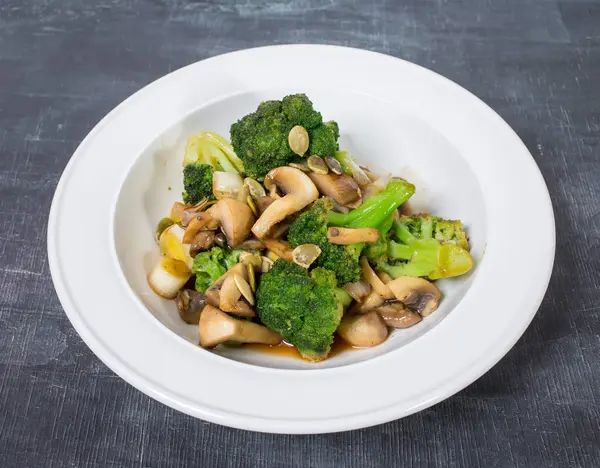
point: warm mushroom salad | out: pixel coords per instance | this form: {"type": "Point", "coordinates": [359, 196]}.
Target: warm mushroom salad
{"type": "Point", "coordinates": [283, 238]}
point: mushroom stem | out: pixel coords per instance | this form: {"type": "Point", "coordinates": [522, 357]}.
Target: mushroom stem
{"type": "Point", "coordinates": [378, 286]}
{"type": "Point", "coordinates": [216, 327]}
{"type": "Point", "coordinates": [345, 236]}
{"type": "Point", "coordinates": [300, 191]}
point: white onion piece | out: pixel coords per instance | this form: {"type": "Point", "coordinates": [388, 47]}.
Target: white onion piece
{"type": "Point", "coordinates": [226, 184]}
{"type": "Point", "coordinates": [168, 277]}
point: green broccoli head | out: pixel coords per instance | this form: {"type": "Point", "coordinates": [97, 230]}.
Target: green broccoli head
{"type": "Point", "coordinates": [446, 231]}
{"type": "Point", "coordinates": [299, 110]}
{"type": "Point", "coordinates": [428, 246]}
{"type": "Point", "coordinates": [197, 182]}
{"type": "Point", "coordinates": [323, 139]}
{"type": "Point", "coordinates": [310, 227]}
{"type": "Point", "coordinates": [303, 309]}
{"type": "Point", "coordinates": [210, 265]}
{"type": "Point", "coordinates": [260, 139]}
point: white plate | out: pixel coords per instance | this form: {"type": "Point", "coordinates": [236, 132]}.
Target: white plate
{"type": "Point", "coordinates": [466, 162]}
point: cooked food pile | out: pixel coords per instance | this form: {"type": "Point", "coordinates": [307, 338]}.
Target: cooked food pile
{"type": "Point", "coordinates": [283, 238]}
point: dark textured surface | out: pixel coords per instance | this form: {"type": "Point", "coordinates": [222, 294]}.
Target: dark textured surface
{"type": "Point", "coordinates": [64, 64]}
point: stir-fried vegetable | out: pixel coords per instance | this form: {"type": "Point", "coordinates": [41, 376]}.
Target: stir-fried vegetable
{"type": "Point", "coordinates": [287, 238]}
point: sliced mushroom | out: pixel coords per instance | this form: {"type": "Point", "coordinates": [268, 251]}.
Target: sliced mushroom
{"type": "Point", "coordinates": [168, 277]}
{"type": "Point", "coordinates": [189, 304]}
{"type": "Point", "coordinates": [262, 203]}
{"type": "Point", "coordinates": [217, 327]}
{"type": "Point", "coordinates": [383, 276]}
{"type": "Point", "coordinates": [345, 236]}
{"type": "Point", "coordinates": [395, 315]}
{"type": "Point", "coordinates": [251, 244]}
{"type": "Point", "coordinates": [220, 239]}
{"type": "Point", "coordinates": [371, 301]}
{"type": "Point", "coordinates": [280, 229]}
{"type": "Point", "coordinates": [236, 219]}
{"type": "Point", "coordinates": [230, 294]}
{"type": "Point", "coordinates": [202, 221]}
{"type": "Point", "coordinates": [363, 330]}
{"type": "Point", "coordinates": [358, 290]}
{"type": "Point", "coordinates": [299, 190]}
{"type": "Point", "coordinates": [371, 277]}
{"type": "Point", "coordinates": [183, 214]}
{"type": "Point", "coordinates": [280, 248]}
{"type": "Point", "coordinates": [418, 294]}
{"type": "Point", "coordinates": [204, 240]}
{"type": "Point", "coordinates": [342, 188]}
{"type": "Point", "coordinates": [213, 292]}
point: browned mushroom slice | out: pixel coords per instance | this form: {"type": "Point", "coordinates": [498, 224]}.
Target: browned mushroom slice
{"type": "Point", "coordinates": [262, 203]}
{"type": "Point", "coordinates": [299, 190]}
{"type": "Point", "coordinates": [202, 221]}
{"type": "Point", "coordinates": [369, 275]}
{"type": "Point", "coordinates": [216, 327]}
{"type": "Point", "coordinates": [418, 294]}
{"type": "Point", "coordinates": [363, 330]}
{"type": "Point", "coordinates": [204, 240]}
{"type": "Point", "coordinates": [345, 236]}
{"type": "Point", "coordinates": [251, 244]}
{"type": "Point", "coordinates": [236, 219]}
{"type": "Point", "coordinates": [214, 290]}
{"type": "Point", "coordinates": [395, 315]}
{"type": "Point", "coordinates": [342, 188]}
{"type": "Point", "coordinates": [371, 301]}
{"type": "Point", "coordinates": [189, 304]}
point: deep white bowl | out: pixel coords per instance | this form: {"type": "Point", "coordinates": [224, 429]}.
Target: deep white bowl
{"type": "Point", "coordinates": [394, 116]}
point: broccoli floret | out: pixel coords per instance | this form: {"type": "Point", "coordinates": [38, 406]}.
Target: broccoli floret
{"type": "Point", "coordinates": [323, 139]}
{"type": "Point", "coordinates": [428, 246]}
{"type": "Point", "coordinates": [205, 153]}
{"type": "Point", "coordinates": [209, 266]}
{"type": "Point", "coordinates": [311, 228]}
{"type": "Point", "coordinates": [299, 110]}
{"type": "Point", "coordinates": [377, 252]}
{"type": "Point", "coordinates": [197, 182]}
{"type": "Point", "coordinates": [303, 309]}
{"type": "Point", "coordinates": [261, 138]}
{"type": "Point", "coordinates": [376, 209]}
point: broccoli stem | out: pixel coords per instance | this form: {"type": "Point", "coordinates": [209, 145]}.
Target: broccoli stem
{"type": "Point", "coordinates": [399, 251]}
{"type": "Point", "coordinates": [377, 208]}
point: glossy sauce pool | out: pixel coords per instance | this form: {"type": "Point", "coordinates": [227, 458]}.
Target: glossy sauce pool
{"type": "Point", "coordinates": [286, 350]}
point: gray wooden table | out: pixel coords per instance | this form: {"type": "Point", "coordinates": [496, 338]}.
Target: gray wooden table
{"type": "Point", "coordinates": [65, 64]}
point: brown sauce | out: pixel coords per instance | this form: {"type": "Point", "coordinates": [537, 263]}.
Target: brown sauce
{"type": "Point", "coordinates": [287, 350]}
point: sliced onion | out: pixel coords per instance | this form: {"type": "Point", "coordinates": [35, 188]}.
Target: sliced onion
{"type": "Point", "coordinates": [226, 184]}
